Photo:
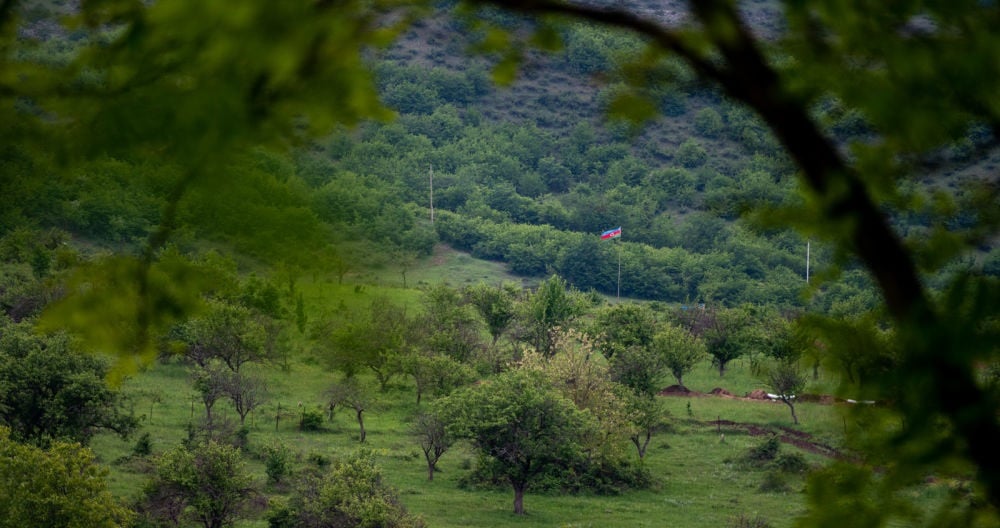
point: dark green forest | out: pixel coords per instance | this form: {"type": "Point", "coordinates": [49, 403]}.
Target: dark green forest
{"type": "Point", "coordinates": [796, 188]}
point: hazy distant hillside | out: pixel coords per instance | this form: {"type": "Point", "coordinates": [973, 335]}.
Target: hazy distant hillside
{"type": "Point", "coordinates": [531, 172]}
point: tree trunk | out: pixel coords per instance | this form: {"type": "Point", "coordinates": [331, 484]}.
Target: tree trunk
{"type": "Point", "coordinates": [788, 402]}
{"type": "Point", "coordinates": [519, 498]}
{"type": "Point", "coordinates": [430, 470]}
{"type": "Point", "coordinates": [641, 446]}
{"type": "Point", "coordinates": [361, 424]}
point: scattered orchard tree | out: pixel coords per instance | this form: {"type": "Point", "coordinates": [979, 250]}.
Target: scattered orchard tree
{"type": "Point", "coordinates": [228, 333]}
{"type": "Point", "coordinates": [61, 486]}
{"type": "Point", "coordinates": [433, 437]}
{"type": "Point", "coordinates": [646, 416]}
{"type": "Point", "coordinates": [495, 305]}
{"type": "Point", "coordinates": [50, 391]}
{"type": "Point", "coordinates": [352, 394]}
{"type": "Point", "coordinates": [550, 307]}
{"type": "Point", "coordinates": [211, 383]}
{"type": "Point", "coordinates": [446, 325]}
{"type": "Point", "coordinates": [208, 484]}
{"type": "Point", "coordinates": [623, 326]}
{"type": "Point", "coordinates": [638, 368]}
{"type": "Point", "coordinates": [678, 350]}
{"type": "Point", "coordinates": [786, 379]}
{"type": "Point", "coordinates": [373, 340]}
{"type": "Point", "coordinates": [436, 374]}
{"type": "Point", "coordinates": [519, 425]}
{"type": "Point", "coordinates": [247, 391]}
{"type": "Point", "coordinates": [350, 492]}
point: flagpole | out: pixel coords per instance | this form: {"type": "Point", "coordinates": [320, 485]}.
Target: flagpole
{"type": "Point", "coordinates": [618, 293]}
{"type": "Point", "coordinates": [612, 234]}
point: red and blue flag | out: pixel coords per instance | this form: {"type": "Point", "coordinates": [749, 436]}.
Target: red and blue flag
{"type": "Point", "coordinates": [611, 233]}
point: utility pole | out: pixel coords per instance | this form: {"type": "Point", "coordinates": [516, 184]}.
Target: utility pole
{"type": "Point", "coordinates": [432, 192]}
{"type": "Point", "coordinates": [808, 242]}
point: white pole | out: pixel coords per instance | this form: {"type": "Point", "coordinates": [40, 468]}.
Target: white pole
{"type": "Point", "coordinates": [808, 242]}
{"type": "Point", "coordinates": [618, 292]}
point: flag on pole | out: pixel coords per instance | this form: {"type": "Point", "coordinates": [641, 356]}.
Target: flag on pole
{"type": "Point", "coordinates": [611, 233]}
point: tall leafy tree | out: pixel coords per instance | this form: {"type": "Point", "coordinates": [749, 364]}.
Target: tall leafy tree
{"type": "Point", "coordinates": [51, 391]}
{"type": "Point", "coordinates": [519, 425]}
{"type": "Point", "coordinates": [551, 306]}
{"type": "Point", "coordinates": [623, 326]}
{"type": "Point", "coordinates": [373, 340]}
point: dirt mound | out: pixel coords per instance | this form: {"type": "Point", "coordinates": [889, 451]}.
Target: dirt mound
{"type": "Point", "coordinates": [758, 394]}
{"type": "Point", "coordinates": [719, 391]}
{"type": "Point", "coordinates": [675, 390]}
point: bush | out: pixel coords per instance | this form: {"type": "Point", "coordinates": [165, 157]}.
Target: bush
{"type": "Point", "coordinates": [143, 446]}
{"type": "Point", "coordinates": [691, 154]}
{"type": "Point", "coordinates": [312, 420]}
{"type": "Point", "coordinates": [762, 454]}
{"type": "Point", "coordinates": [276, 462]}
{"type": "Point", "coordinates": [748, 521]}
{"type": "Point", "coordinates": [708, 122]}
{"type": "Point", "coordinates": [774, 482]}
{"type": "Point", "coordinates": [790, 463]}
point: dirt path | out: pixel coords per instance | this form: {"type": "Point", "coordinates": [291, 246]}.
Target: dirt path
{"type": "Point", "coordinates": [787, 435]}
{"type": "Point", "coordinates": [799, 439]}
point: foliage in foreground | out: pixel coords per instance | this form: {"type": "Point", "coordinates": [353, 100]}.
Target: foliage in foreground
{"type": "Point", "coordinates": [58, 487]}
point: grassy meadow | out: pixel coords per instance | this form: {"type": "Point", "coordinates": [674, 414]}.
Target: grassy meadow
{"type": "Point", "coordinates": [699, 479]}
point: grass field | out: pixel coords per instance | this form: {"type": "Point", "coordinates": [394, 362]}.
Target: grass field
{"type": "Point", "coordinates": [699, 482]}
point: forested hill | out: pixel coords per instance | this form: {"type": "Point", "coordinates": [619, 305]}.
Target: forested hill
{"type": "Point", "coordinates": [529, 172]}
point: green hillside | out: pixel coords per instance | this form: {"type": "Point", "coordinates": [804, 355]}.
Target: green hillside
{"type": "Point", "coordinates": [311, 263]}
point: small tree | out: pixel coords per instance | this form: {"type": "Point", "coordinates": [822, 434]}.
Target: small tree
{"type": "Point", "coordinates": [722, 331]}
{"type": "Point", "coordinates": [786, 379]}
{"type": "Point", "coordinates": [678, 350]}
{"type": "Point", "coordinates": [433, 438]}
{"type": "Point", "coordinates": [350, 493]}
{"type": "Point", "coordinates": [247, 391]}
{"type": "Point", "coordinates": [374, 341]}
{"type": "Point", "coordinates": [520, 426]}
{"type": "Point", "coordinates": [58, 487]}
{"type": "Point", "coordinates": [211, 383]}
{"type": "Point", "coordinates": [638, 368]}
{"type": "Point", "coordinates": [623, 326]}
{"type": "Point", "coordinates": [550, 307]}
{"type": "Point", "coordinates": [350, 393]}
{"type": "Point", "coordinates": [495, 305]}
{"type": "Point", "coordinates": [646, 416]}
{"type": "Point", "coordinates": [436, 373]}
{"type": "Point", "coordinates": [227, 332]}
{"type": "Point", "coordinates": [208, 484]}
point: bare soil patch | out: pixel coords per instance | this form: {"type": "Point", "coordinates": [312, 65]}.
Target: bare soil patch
{"type": "Point", "coordinates": [786, 435]}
